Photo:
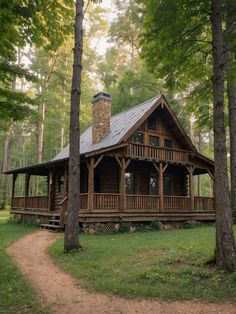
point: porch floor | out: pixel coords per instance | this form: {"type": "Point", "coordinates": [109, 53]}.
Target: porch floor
{"type": "Point", "coordinates": [117, 216]}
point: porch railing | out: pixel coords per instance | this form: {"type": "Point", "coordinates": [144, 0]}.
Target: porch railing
{"type": "Point", "coordinates": [159, 153]}
{"type": "Point", "coordinates": [142, 202]}
{"type": "Point", "coordinates": [31, 202]}
{"type": "Point", "coordinates": [111, 202]}
{"type": "Point", "coordinates": [84, 200]}
{"type": "Point", "coordinates": [178, 203]}
{"type": "Point", "coordinates": [107, 202]}
{"type": "Point", "coordinates": [202, 203]}
{"type": "Point", "coordinates": [18, 202]}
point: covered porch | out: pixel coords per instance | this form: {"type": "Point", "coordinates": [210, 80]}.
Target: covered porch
{"type": "Point", "coordinates": [115, 187]}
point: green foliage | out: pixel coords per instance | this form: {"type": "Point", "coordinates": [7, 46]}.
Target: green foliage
{"type": "Point", "coordinates": [168, 265]}
{"type": "Point", "coordinates": [35, 23]}
{"type": "Point", "coordinates": [16, 294]}
{"type": "Point", "coordinates": [180, 50]}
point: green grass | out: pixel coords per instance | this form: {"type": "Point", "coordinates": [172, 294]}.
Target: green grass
{"type": "Point", "coordinates": [168, 265]}
{"type": "Point", "coordinates": [4, 215]}
{"type": "Point", "coordinates": [16, 294]}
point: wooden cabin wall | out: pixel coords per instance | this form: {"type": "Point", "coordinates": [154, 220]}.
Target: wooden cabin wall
{"type": "Point", "coordinates": [83, 178]}
{"type": "Point", "coordinates": [142, 172]}
{"type": "Point", "coordinates": [179, 181]}
{"type": "Point", "coordinates": [106, 177]}
{"type": "Point", "coordinates": [57, 189]}
{"type": "Point", "coordinates": [163, 131]}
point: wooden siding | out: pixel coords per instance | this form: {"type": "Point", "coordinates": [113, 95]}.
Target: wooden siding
{"type": "Point", "coordinates": [107, 177]}
{"type": "Point", "coordinates": [163, 131]}
{"type": "Point", "coordinates": [57, 194]}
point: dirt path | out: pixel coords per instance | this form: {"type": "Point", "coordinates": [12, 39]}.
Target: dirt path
{"type": "Point", "coordinates": [64, 295]}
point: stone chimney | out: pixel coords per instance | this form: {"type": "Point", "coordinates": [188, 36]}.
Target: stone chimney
{"type": "Point", "coordinates": [101, 116]}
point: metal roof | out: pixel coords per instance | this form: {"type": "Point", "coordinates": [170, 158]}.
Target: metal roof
{"type": "Point", "coordinates": [120, 126]}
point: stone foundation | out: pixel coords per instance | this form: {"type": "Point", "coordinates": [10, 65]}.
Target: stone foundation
{"type": "Point", "coordinates": [119, 227]}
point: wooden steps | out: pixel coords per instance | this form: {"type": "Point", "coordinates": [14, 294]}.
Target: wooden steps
{"type": "Point", "coordinates": [53, 224]}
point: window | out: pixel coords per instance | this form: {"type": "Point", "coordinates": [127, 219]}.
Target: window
{"type": "Point", "coordinates": [153, 185]}
{"type": "Point", "coordinates": [154, 141]}
{"type": "Point", "coordinates": [129, 183]}
{"type": "Point", "coordinates": [168, 143]}
{"type": "Point", "coordinates": [166, 185]}
{"type": "Point", "coordinates": [152, 123]}
{"type": "Point", "coordinates": [138, 138]}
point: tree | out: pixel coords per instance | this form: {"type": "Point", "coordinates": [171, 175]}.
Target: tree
{"type": "Point", "coordinates": [71, 242]}
{"type": "Point", "coordinates": [181, 51]}
{"type": "Point", "coordinates": [225, 244]}
{"type": "Point", "coordinates": [230, 67]}
{"type": "Point", "coordinates": [39, 23]}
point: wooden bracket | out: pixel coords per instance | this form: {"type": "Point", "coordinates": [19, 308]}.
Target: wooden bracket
{"type": "Point", "coordinates": [211, 175]}
{"type": "Point", "coordinates": [164, 168]}
{"type": "Point", "coordinates": [98, 161]}
{"type": "Point", "coordinates": [155, 166]}
{"type": "Point", "coordinates": [190, 169]}
{"type": "Point", "coordinates": [127, 163]}
{"type": "Point", "coordinates": [118, 160]}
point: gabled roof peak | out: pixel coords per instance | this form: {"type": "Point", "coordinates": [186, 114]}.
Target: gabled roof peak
{"type": "Point", "coordinates": [122, 124]}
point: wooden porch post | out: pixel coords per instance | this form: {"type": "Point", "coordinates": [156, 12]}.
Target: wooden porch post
{"type": "Point", "coordinates": [50, 181]}
{"type": "Point", "coordinates": [122, 185]}
{"type": "Point", "coordinates": [123, 165]}
{"type": "Point", "coordinates": [191, 194]}
{"type": "Point", "coordinates": [27, 179]}
{"type": "Point", "coordinates": [161, 186]}
{"type": "Point", "coordinates": [211, 174]}
{"type": "Point", "coordinates": [161, 171]}
{"type": "Point", "coordinates": [90, 183]}
{"type": "Point", "coordinates": [13, 187]}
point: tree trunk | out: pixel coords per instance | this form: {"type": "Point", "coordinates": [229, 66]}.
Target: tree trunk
{"type": "Point", "coordinates": [71, 241]}
{"type": "Point", "coordinates": [225, 244]}
{"type": "Point", "coordinates": [5, 167]}
{"type": "Point", "coordinates": [231, 92]}
{"type": "Point", "coordinates": [200, 151]}
{"type": "Point", "coordinates": [62, 137]}
{"type": "Point", "coordinates": [41, 134]}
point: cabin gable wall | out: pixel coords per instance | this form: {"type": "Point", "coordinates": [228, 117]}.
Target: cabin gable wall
{"type": "Point", "coordinates": [163, 131]}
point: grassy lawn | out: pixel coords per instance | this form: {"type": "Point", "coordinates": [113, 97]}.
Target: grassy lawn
{"type": "Point", "coordinates": [4, 215]}
{"type": "Point", "coordinates": [16, 294]}
{"type": "Point", "coordinates": [166, 265]}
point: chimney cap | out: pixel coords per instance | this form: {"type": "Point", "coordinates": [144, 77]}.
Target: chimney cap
{"type": "Point", "coordinates": [101, 95]}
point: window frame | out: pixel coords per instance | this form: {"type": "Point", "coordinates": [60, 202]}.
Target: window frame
{"type": "Point", "coordinates": [132, 183]}
{"type": "Point", "coordinates": [154, 136]}
{"type": "Point", "coordinates": [157, 184]}
{"type": "Point", "coordinates": [133, 138]}
{"type": "Point", "coordinates": [170, 140]}
{"type": "Point", "coordinates": [148, 121]}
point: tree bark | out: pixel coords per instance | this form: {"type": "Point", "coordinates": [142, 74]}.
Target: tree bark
{"type": "Point", "coordinates": [71, 241]}
{"type": "Point", "coordinates": [231, 92]}
{"type": "Point", "coordinates": [200, 150]}
{"type": "Point", "coordinates": [41, 135]}
{"type": "Point", "coordinates": [225, 251]}
{"type": "Point", "coordinates": [5, 167]}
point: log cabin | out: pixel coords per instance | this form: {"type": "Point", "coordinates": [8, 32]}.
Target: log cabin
{"type": "Point", "coordinates": [138, 165]}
